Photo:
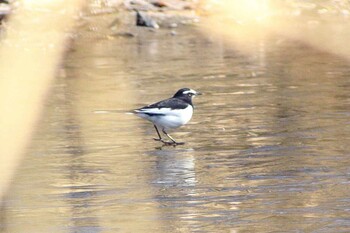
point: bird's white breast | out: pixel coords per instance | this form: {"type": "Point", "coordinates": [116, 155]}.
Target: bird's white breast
{"type": "Point", "coordinates": [170, 118]}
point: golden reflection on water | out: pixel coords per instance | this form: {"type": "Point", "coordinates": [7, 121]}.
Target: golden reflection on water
{"type": "Point", "coordinates": [321, 24]}
{"type": "Point", "coordinates": [35, 31]}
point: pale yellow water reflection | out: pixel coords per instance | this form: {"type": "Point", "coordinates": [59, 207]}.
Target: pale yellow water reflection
{"type": "Point", "coordinates": [323, 25]}
{"type": "Point", "coordinates": [34, 31]}
{"type": "Point", "coordinates": [267, 149]}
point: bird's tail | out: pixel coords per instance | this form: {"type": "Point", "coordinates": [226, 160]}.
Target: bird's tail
{"type": "Point", "coordinates": [101, 111]}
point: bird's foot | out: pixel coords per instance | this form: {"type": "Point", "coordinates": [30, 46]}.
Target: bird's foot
{"type": "Point", "coordinates": [178, 143]}
{"type": "Point", "coordinates": [158, 139]}
{"type": "Point", "coordinates": [168, 143]}
{"type": "Point", "coordinates": [161, 140]}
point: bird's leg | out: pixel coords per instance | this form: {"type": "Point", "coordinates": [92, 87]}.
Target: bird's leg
{"type": "Point", "coordinates": [172, 139]}
{"type": "Point", "coordinates": [160, 138]}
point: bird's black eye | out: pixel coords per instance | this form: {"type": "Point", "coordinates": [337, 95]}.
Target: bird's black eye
{"type": "Point", "coordinates": [190, 94]}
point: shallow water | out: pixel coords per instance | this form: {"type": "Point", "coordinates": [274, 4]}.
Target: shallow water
{"type": "Point", "coordinates": [266, 151]}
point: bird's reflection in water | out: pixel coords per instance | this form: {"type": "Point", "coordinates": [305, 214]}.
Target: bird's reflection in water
{"type": "Point", "coordinates": [175, 181]}
{"type": "Point", "coordinates": [175, 167]}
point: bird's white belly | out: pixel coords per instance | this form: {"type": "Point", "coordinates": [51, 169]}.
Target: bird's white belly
{"type": "Point", "coordinates": [171, 118]}
{"type": "Point", "coordinates": [176, 119]}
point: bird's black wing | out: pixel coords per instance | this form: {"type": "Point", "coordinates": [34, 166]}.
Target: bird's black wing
{"type": "Point", "coordinates": [172, 103]}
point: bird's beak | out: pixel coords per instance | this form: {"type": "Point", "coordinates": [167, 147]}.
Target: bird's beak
{"type": "Point", "coordinates": [198, 93]}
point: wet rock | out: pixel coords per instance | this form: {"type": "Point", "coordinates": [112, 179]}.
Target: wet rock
{"type": "Point", "coordinates": [159, 4]}
{"type": "Point", "coordinates": [114, 23]}
{"type": "Point", "coordinates": [5, 9]}
{"type": "Point", "coordinates": [139, 5]}
{"type": "Point", "coordinates": [143, 20]}
{"type": "Point", "coordinates": [188, 7]}
{"type": "Point", "coordinates": [173, 25]}
{"type": "Point", "coordinates": [123, 34]}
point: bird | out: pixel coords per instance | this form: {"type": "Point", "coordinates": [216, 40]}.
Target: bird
{"type": "Point", "coordinates": [169, 113]}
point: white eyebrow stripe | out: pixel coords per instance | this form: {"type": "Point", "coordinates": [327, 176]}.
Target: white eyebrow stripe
{"type": "Point", "coordinates": [189, 91]}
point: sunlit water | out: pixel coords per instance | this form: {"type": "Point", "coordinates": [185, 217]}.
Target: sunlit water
{"type": "Point", "coordinates": [267, 149]}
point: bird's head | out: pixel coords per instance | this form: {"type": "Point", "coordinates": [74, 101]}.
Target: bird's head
{"type": "Point", "coordinates": [186, 93]}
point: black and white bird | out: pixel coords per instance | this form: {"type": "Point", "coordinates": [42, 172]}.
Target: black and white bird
{"type": "Point", "coordinates": [170, 113]}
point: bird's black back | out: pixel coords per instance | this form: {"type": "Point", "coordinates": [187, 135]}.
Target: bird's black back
{"type": "Point", "coordinates": [172, 103]}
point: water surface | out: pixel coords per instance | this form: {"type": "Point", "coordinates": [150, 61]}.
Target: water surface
{"type": "Point", "coordinates": [266, 151]}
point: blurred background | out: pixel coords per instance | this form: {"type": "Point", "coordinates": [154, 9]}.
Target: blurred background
{"type": "Point", "coordinates": [266, 150]}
